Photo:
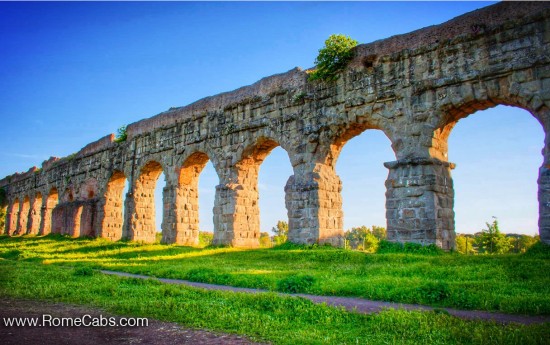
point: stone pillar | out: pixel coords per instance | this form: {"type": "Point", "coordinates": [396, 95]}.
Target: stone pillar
{"type": "Point", "coordinates": [314, 205]}
{"type": "Point", "coordinates": [74, 218]}
{"type": "Point", "coordinates": [236, 216]}
{"type": "Point", "coordinates": [23, 218]}
{"type": "Point", "coordinates": [170, 215]}
{"type": "Point", "coordinates": [11, 218]}
{"type": "Point", "coordinates": [110, 216]}
{"type": "Point", "coordinates": [129, 207]}
{"type": "Point", "coordinates": [47, 209]}
{"type": "Point", "coordinates": [419, 202]}
{"type": "Point", "coordinates": [35, 216]}
{"type": "Point", "coordinates": [142, 225]}
{"type": "Point", "coordinates": [544, 203]}
{"type": "Point", "coordinates": [181, 214]}
{"type": "Point", "coordinates": [58, 219]}
{"type": "Point", "coordinates": [87, 219]}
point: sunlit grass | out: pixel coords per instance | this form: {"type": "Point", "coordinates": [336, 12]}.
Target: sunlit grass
{"type": "Point", "coordinates": [510, 283]}
{"type": "Point", "coordinates": [264, 317]}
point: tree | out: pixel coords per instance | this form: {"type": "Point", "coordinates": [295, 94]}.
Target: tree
{"type": "Point", "coordinates": [371, 243]}
{"type": "Point", "coordinates": [121, 134]}
{"type": "Point", "coordinates": [363, 238]}
{"type": "Point", "coordinates": [356, 237]}
{"type": "Point", "coordinates": [379, 232]}
{"type": "Point", "coordinates": [492, 241]}
{"type": "Point", "coordinates": [281, 232]}
{"type": "Point", "coordinates": [465, 244]}
{"type": "Point", "coordinates": [265, 241]}
{"type": "Point", "coordinates": [521, 243]}
{"type": "Point", "coordinates": [333, 57]}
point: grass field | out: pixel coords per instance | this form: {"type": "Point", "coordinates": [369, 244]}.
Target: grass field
{"type": "Point", "coordinates": [509, 283]}
{"type": "Point", "coordinates": [264, 317]}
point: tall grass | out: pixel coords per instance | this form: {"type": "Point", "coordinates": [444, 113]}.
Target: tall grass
{"type": "Point", "coordinates": [510, 283]}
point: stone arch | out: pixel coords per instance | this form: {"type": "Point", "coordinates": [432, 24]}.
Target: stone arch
{"type": "Point", "coordinates": [451, 115]}
{"type": "Point", "coordinates": [143, 226]}
{"type": "Point", "coordinates": [35, 214]}
{"type": "Point", "coordinates": [236, 211]}
{"type": "Point", "coordinates": [342, 137]}
{"type": "Point", "coordinates": [24, 215]}
{"type": "Point", "coordinates": [330, 215]}
{"type": "Point", "coordinates": [113, 218]}
{"type": "Point", "coordinates": [364, 134]}
{"type": "Point", "coordinates": [184, 216]}
{"type": "Point", "coordinates": [50, 203]}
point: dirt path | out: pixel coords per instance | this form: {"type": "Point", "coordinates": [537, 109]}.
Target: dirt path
{"type": "Point", "coordinates": [359, 304]}
{"type": "Point", "coordinates": [156, 333]}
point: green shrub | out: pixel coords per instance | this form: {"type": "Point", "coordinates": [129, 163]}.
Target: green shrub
{"type": "Point", "coordinates": [333, 57]}
{"type": "Point", "coordinates": [407, 247]}
{"type": "Point", "coordinates": [295, 283]}
{"type": "Point", "coordinates": [121, 134]}
{"type": "Point", "coordinates": [434, 292]}
{"type": "Point", "coordinates": [205, 238]}
{"type": "Point", "coordinates": [83, 271]}
{"type": "Point", "coordinates": [12, 254]}
{"type": "Point", "coordinates": [538, 249]}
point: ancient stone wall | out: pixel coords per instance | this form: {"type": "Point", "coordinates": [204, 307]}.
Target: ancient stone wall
{"type": "Point", "coordinates": [413, 87]}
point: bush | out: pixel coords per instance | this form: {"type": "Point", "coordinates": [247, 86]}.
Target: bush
{"type": "Point", "coordinates": [538, 249]}
{"type": "Point", "coordinates": [333, 57]}
{"type": "Point", "coordinates": [295, 283]}
{"type": "Point", "coordinates": [121, 134]}
{"type": "Point", "coordinates": [407, 247]}
{"type": "Point", "coordinates": [434, 292]}
{"type": "Point", "coordinates": [83, 272]}
{"type": "Point", "coordinates": [12, 254]}
{"type": "Point", "coordinates": [205, 238]}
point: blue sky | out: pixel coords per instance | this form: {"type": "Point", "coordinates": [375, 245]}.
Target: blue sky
{"type": "Point", "coordinates": [71, 73]}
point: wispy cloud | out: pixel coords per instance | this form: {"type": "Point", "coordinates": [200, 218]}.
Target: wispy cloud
{"type": "Point", "coordinates": [23, 155]}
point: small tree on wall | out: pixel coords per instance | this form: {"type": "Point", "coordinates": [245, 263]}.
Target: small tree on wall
{"type": "Point", "coordinates": [333, 57]}
{"type": "Point", "coordinates": [121, 134]}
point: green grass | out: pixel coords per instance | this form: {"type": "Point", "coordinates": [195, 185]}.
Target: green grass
{"type": "Point", "coordinates": [264, 317]}
{"type": "Point", "coordinates": [509, 283]}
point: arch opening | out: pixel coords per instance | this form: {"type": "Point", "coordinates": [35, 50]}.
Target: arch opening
{"type": "Point", "coordinates": [498, 156]}
{"type": "Point", "coordinates": [246, 222]}
{"type": "Point", "coordinates": [24, 215]}
{"type": "Point", "coordinates": [208, 181]}
{"type": "Point", "coordinates": [358, 157]}
{"type": "Point", "coordinates": [273, 175]}
{"type": "Point", "coordinates": [47, 218]}
{"type": "Point", "coordinates": [188, 200]}
{"type": "Point", "coordinates": [35, 214]}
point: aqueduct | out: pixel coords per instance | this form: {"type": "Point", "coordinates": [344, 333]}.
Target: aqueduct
{"type": "Point", "coordinates": [413, 87]}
